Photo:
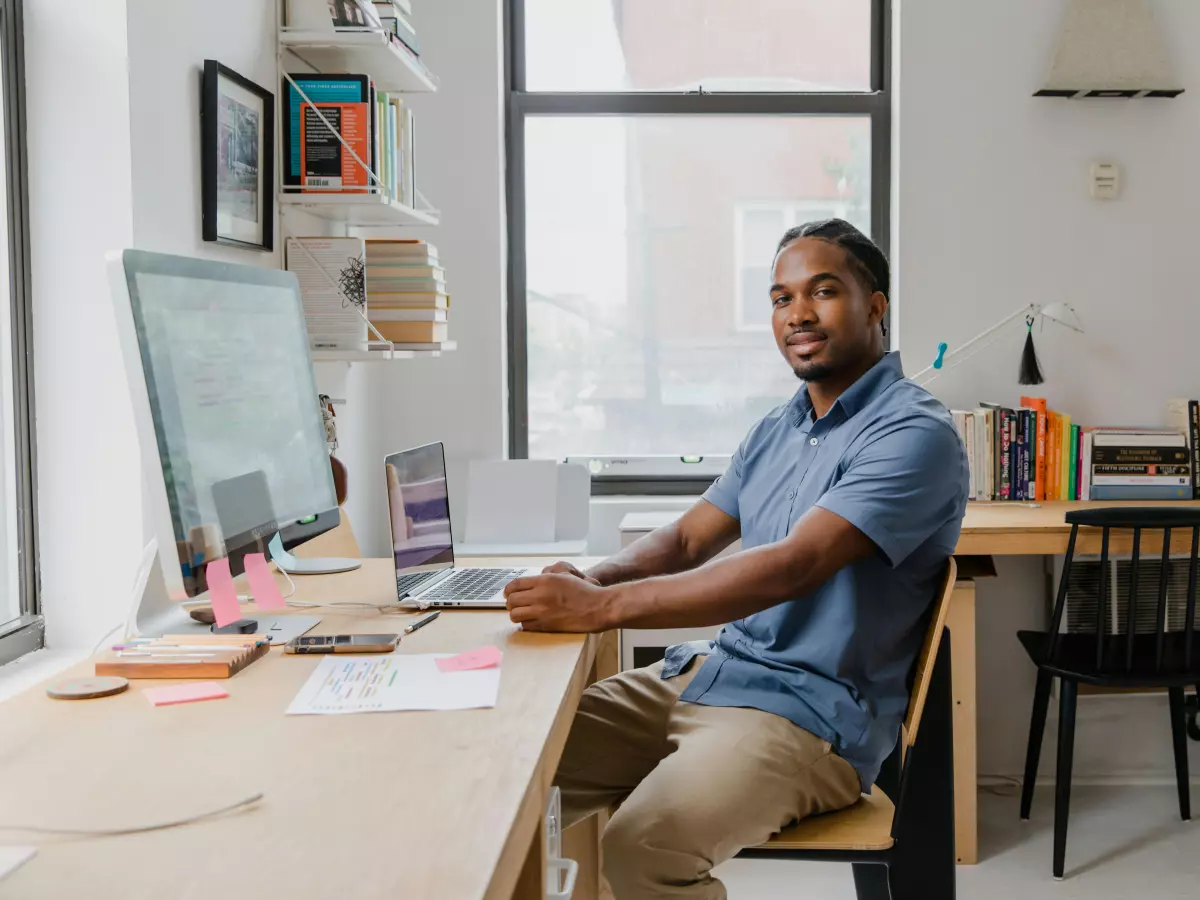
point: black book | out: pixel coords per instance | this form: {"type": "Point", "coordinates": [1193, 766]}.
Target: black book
{"type": "Point", "coordinates": [1140, 456]}
{"type": "Point", "coordinates": [1194, 438]}
{"type": "Point", "coordinates": [319, 89]}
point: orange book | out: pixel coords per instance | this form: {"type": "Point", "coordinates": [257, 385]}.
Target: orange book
{"type": "Point", "coordinates": [1039, 469]}
{"type": "Point", "coordinates": [325, 163]}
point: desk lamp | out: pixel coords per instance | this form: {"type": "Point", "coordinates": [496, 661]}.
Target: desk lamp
{"type": "Point", "coordinates": [1030, 372]}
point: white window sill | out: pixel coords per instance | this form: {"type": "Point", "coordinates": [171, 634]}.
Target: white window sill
{"type": "Point", "coordinates": [21, 674]}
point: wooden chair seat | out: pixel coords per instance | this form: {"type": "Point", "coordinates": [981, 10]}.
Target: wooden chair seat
{"type": "Point", "coordinates": [867, 825]}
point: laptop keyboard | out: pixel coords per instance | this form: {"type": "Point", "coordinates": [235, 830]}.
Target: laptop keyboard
{"type": "Point", "coordinates": [405, 583]}
{"type": "Point", "coordinates": [470, 586]}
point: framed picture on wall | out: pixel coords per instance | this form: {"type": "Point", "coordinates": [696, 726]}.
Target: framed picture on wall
{"type": "Point", "coordinates": [237, 134]}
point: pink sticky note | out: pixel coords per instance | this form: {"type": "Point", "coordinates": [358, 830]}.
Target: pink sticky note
{"type": "Point", "coordinates": [483, 658]}
{"type": "Point", "coordinates": [221, 592]}
{"type": "Point", "coordinates": [185, 693]}
{"type": "Point", "coordinates": [262, 583]}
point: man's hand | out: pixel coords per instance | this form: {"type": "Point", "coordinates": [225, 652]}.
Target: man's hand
{"type": "Point", "coordinates": [565, 568]}
{"type": "Point", "coordinates": [559, 602]}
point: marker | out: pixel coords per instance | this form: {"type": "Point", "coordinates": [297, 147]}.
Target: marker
{"type": "Point", "coordinates": [421, 623]}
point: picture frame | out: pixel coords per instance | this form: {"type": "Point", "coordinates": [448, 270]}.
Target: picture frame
{"type": "Point", "coordinates": [237, 159]}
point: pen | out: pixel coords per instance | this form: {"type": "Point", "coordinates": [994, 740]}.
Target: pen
{"type": "Point", "coordinates": [422, 622]}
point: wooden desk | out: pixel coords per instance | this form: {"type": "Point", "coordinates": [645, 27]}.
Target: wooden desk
{"type": "Point", "coordinates": [404, 805]}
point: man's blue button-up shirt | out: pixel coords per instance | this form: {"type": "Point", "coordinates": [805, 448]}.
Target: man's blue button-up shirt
{"type": "Point", "coordinates": [887, 459]}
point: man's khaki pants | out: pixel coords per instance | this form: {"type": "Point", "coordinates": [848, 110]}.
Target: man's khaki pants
{"type": "Point", "coordinates": [696, 783]}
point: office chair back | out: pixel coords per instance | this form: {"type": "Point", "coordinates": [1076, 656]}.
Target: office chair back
{"type": "Point", "coordinates": [1123, 649]}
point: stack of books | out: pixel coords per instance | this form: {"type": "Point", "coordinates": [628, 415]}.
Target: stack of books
{"type": "Point", "coordinates": [406, 293]}
{"type": "Point", "coordinates": [395, 15]}
{"type": "Point", "coordinates": [332, 287]}
{"type": "Point", "coordinates": [1035, 453]}
{"type": "Point", "coordinates": [374, 126]}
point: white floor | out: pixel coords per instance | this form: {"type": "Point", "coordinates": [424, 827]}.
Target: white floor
{"type": "Point", "coordinates": [1124, 843]}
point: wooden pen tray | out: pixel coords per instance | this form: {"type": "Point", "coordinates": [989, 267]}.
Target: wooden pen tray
{"type": "Point", "coordinates": [228, 659]}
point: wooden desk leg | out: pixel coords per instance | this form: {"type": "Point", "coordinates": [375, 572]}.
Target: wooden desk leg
{"type": "Point", "coordinates": [961, 621]}
{"type": "Point", "coordinates": [581, 842]}
{"type": "Point", "coordinates": [531, 884]}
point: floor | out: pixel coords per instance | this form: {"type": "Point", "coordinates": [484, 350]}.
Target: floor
{"type": "Point", "coordinates": [1124, 842]}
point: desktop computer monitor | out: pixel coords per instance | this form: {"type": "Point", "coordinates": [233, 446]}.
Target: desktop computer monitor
{"type": "Point", "coordinates": [225, 399]}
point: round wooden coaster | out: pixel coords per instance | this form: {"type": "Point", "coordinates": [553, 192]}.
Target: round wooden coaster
{"type": "Point", "coordinates": [88, 688]}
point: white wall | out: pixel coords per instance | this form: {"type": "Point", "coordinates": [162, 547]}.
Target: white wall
{"type": "Point", "coordinates": [993, 212]}
{"type": "Point", "coordinates": [461, 397]}
{"type": "Point", "coordinates": [168, 43]}
{"type": "Point", "coordinates": [89, 491]}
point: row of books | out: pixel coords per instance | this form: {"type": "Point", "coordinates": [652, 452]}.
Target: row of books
{"type": "Point", "coordinates": [397, 286]}
{"type": "Point", "coordinates": [374, 126]}
{"type": "Point", "coordinates": [1034, 453]}
{"type": "Point", "coordinates": [395, 19]}
{"type": "Point", "coordinates": [407, 301]}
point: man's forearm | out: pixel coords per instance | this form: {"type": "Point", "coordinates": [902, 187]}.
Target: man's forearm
{"type": "Point", "coordinates": [742, 584]}
{"type": "Point", "coordinates": [661, 552]}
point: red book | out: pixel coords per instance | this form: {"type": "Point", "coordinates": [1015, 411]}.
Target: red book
{"type": "Point", "coordinates": [326, 165]}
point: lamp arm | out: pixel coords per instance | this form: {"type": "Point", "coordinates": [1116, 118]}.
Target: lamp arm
{"type": "Point", "coordinates": [1031, 309]}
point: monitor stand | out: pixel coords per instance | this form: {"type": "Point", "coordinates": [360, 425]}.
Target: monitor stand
{"type": "Point", "coordinates": [154, 613]}
{"type": "Point", "coordinates": [323, 566]}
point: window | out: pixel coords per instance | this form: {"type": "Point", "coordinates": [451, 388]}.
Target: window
{"type": "Point", "coordinates": [657, 151]}
{"type": "Point", "coordinates": [20, 624]}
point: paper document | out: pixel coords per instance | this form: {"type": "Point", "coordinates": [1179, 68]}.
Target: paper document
{"type": "Point", "coordinates": [12, 858]}
{"type": "Point", "coordinates": [392, 683]}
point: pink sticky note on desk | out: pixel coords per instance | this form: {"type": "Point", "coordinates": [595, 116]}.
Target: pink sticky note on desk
{"type": "Point", "coordinates": [262, 582]}
{"type": "Point", "coordinates": [221, 592]}
{"type": "Point", "coordinates": [185, 693]}
{"type": "Point", "coordinates": [483, 658]}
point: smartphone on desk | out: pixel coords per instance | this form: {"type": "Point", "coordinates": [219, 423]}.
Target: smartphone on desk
{"type": "Point", "coordinates": [343, 643]}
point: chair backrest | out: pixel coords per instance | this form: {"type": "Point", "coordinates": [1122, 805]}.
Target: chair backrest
{"type": "Point", "coordinates": [928, 655]}
{"type": "Point", "coordinates": [1114, 642]}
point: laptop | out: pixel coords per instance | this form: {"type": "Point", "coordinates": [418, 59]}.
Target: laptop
{"type": "Point", "coordinates": [422, 544]}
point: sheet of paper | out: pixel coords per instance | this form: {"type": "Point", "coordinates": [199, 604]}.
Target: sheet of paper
{"type": "Point", "coordinates": [262, 583]}
{"type": "Point", "coordinates": [481, 658]}
{"type": "Point", "coordinates": [392, 683]}
{"type": "Point", "coordinates": [185, 693]}
{"type": "Point", "coordinates": [221, 592]}
{"type": "Point", "coordinates": [12, 858]}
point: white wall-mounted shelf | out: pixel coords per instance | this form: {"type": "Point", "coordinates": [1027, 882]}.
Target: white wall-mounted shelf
{"type": "Point", "coordinates": [383, 355]}
{"type": "Point", "coordinates": [363, 210]}
{"type": "Point", "coordinates": [392, 67]}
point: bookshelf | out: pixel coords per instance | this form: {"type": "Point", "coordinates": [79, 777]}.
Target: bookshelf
{"type": "Point", "coordinates": [357, 210]}
{"type": "Point", "coordinates": [393, 69]}
{"type": "Point", "coordinates": [383, 355]}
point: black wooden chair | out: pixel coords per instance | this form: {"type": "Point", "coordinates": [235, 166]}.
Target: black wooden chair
{"type": "Point", "coordinates": [903, 851]}
{"type": "Point", "coordinates": [1119, 653]}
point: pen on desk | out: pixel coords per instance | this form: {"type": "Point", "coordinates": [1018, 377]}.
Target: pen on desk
{"type": "Point", "coordinates": [422, 622]}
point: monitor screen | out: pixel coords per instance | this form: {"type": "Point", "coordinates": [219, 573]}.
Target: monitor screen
{"type": "Point", "coordinates": [419, 510]}
{"type": "Point", "coordinates": [234, 403]}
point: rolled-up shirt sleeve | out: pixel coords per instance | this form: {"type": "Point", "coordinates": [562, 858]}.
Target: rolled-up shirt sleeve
{"type": "Point", "coordinates": [902, 486]}
{"type": "Point", "coordinates": [723, 494]}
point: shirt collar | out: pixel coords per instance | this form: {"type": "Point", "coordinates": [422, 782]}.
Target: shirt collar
{"type": "Point", "coordinates": [874, 382]}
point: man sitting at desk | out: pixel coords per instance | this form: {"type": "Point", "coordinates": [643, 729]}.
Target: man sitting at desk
{"type": "Point", "coordinates": [848, 501]}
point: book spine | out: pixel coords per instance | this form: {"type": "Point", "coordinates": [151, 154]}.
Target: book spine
{"type": "Point", "coordinates": [1148, 469]}
{"type": "Point", "coordinates": [1184, 480]}
{"type": "Point", "coordinates": [1141, 455]}
{"type": "Point", "coordinates": [1030, 454]}
{"type": "Point", "coordinates": [1052, 458]}
{"type": "Point", "coordinates": [1073, 464]}
{"type": "Point", "coordinates": [1005, 454]}
{"type": "Point", "coordinates": [1020, 481]}
{"type": "Point", "coordinates": [1140, 492]}
{"type": "Point", "coordinates": [1194, 434]}
{"type": "Point", "coordinates": [1042, 437]}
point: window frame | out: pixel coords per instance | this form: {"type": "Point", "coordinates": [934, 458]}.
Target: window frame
{"type": "Point", "coordinates": [522, 104]}
{"type": "Point", "coordinates": [25, 633]}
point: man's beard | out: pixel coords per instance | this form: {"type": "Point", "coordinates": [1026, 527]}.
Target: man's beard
{"type": "Point", "coordinates": [813, 371]}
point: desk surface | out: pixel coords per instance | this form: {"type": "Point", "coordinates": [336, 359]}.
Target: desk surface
{"type": "Point", "coordinates": [1003, 529]}
{"type": "Point", "coordinates": [405, 805]}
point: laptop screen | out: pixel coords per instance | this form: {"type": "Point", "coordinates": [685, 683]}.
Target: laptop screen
{"type": "Point", "coordinates": [419, 510]}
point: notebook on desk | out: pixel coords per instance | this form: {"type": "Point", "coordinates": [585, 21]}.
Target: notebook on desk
{"type": "Point", "coordinates": [422, 542]}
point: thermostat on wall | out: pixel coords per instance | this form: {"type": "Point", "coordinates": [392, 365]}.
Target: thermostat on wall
{"type": "Point", "coordinates": [1106, 181]}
